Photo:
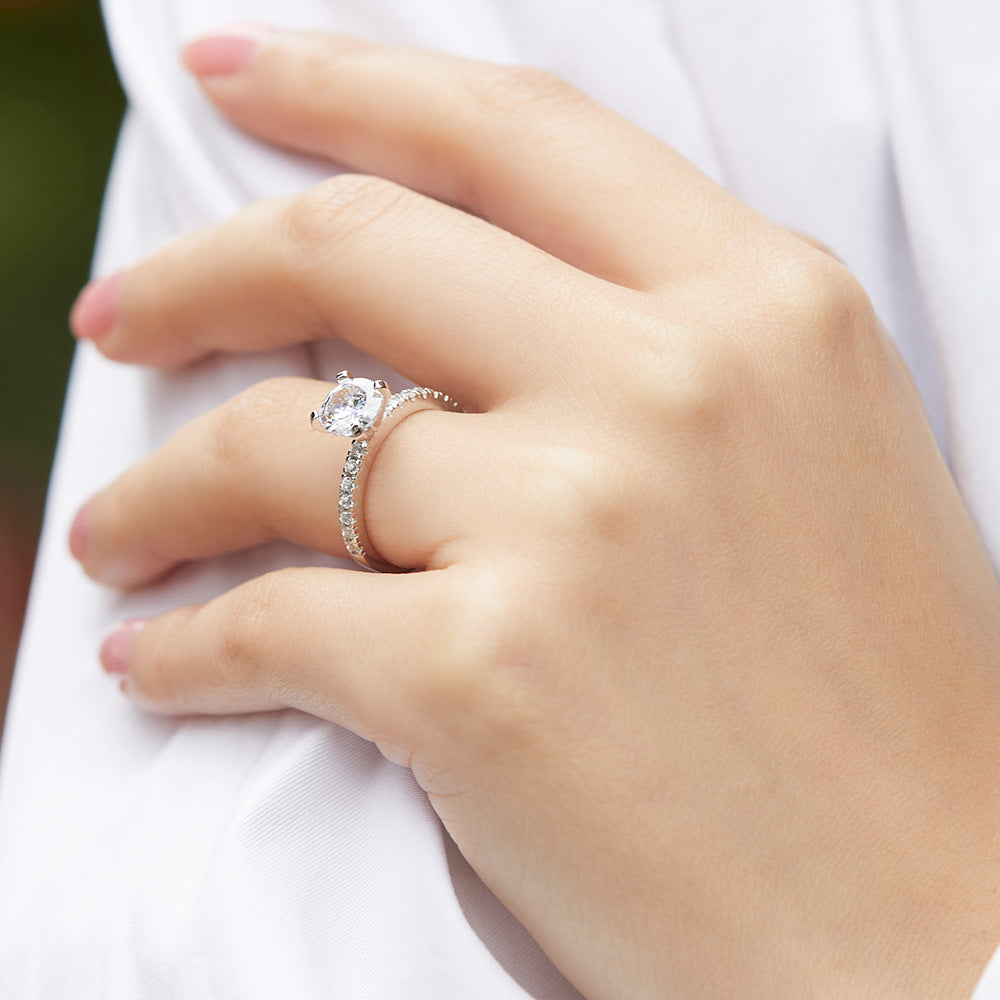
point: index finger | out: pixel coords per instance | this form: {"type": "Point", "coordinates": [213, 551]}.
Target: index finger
{"type": "Point", "coordinates": [516, 145]}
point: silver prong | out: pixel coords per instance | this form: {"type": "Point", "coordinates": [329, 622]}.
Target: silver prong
{"type": "Point", "coordinates": [344, 374]}
{"type": "Point", "coordinates": [383, 389]}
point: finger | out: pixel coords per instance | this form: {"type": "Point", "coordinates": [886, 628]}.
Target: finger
{"type": "Point", "coordinates": [429, 289]}
{"type": "Point", "coordinates": [253, 470]}
{"type": "Point", "coordinates": [515, 145]}
{"type": "Point", "coordinates": [344, 646]}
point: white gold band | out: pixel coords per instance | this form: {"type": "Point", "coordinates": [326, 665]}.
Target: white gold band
{"type": "Point", "coordinates": [350, 501]}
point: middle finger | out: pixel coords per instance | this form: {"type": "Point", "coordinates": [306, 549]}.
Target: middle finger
{"type": "Point", "coordinates": [443, 297]}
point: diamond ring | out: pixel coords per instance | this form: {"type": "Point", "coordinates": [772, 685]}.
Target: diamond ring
{"type": "Point", "coordinates": [357, 408]}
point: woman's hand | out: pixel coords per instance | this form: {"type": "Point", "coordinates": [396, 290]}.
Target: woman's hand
{"type": "Point", "coordinates": [700, 669]}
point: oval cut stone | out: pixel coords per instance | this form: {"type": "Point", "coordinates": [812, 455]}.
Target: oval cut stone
{"type": "Point", "coordinates": [352, 408]}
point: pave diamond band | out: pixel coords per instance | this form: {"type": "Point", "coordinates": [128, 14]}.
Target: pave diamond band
{"type": "Point", "coordinates": [358, 408]}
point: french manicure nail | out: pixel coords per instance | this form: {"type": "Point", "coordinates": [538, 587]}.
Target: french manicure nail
{"type": "Point", "coordinates": [117, 647]}
{"type": "Point", "coordinates": [79, 533]}
{"type": "Point", "coordinates": [227, 52]}
{"type": "Point", "coordinates": [93, 313]}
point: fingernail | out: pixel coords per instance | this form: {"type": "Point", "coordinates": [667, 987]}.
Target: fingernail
{"type": "Point", "coordinates": [227, 52]}
{"type": "Point", "coordinates": [79, 533]}
{"type": "Point", "coordinates": [93, 313]}
{"type": "Point", "coordinates": [117, 647]}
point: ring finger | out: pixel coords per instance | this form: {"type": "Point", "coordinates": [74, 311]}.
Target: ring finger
{"type": "Point", "coordinates": [251, 471]}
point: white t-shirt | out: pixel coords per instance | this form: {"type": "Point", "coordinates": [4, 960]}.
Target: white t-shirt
{"type": "Point", "coordinates": [276, 855]}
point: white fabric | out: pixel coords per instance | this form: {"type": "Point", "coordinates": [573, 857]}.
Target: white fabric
{"type": "Point", "coordinates": [275, 854]}
{"type": "Point", "coordinates": [989, 983]}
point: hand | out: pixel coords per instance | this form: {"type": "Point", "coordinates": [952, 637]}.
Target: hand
{"type": "Point", "coordinates": [699, 667]}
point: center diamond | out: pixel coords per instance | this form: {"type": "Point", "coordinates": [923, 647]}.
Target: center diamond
{"type": "Point", "coordinates": [352, 408]}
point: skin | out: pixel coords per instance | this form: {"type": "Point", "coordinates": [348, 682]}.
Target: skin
{"type": "Point", "coordinates": [699, 664]}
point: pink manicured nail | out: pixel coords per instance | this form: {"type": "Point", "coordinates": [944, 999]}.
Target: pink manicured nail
{"type": "Point", "coordinates": [80, 532]}
{"type": "Point", "coordinates": [227, 52]}
{"type": "Point", "coordinates": [93, 313]}
{"type": "Point", "coordinates": [117, 647]}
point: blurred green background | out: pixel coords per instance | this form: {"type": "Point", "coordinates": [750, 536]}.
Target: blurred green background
{"type": "Point", "coordinates": [60, 107]}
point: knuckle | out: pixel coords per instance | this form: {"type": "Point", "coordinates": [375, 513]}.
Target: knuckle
{"type": "Point", "coordinates": [582, 492]}
{"type": "Point", "coordinates": [698, 394]}
{"type": "Point", "coordinates": [156, 675]}
{"type": "Point", "coordinates": [225, 446]}
{"type": "Point", "coordinates": [805, 322]}
{"type": "Point", "coordinates": [473, 683]}
{"type": "Point", "coordinates": [322, 218]}
{"type": "Point", "coordinates": [228, 437]}
{"type": "Point", "coordinates": [812, 295]}
{"type": "Point", "coordinates": [823, 328]}
{"type": "Point", "coordinates": [813, 242]}
{"type": "Point", "coordinates": [508, 91]}
{"type": "Point", "coordinates": [679, 371]}
{"type": "Point", "coordinates": [234, 429]}
{"type": "Point", "coordinates": [149, 316]}
{"type": "Point", "coordinates": [320, 68]}
{"type": "Point", "coordinates": [239, 650]}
